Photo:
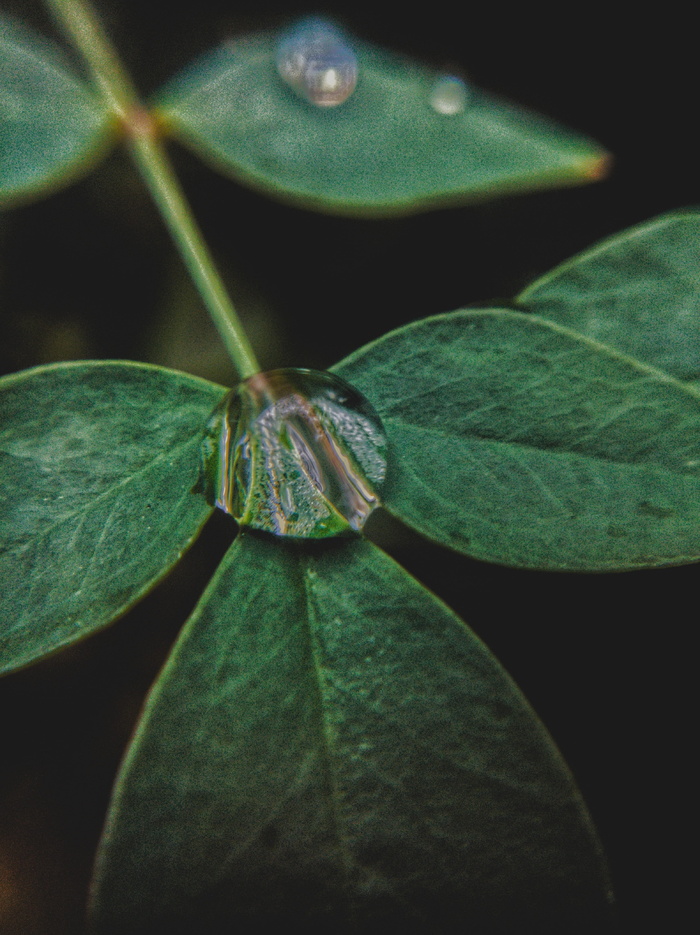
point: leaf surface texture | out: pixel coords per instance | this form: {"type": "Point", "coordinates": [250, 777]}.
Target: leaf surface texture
{"type": "Point", "coordinates": [329, 743]}
{"type": "Point", "coordinates": [519, 441]}
{"type": "Point", "coordinates": [53, 127]}
{"type": "Point", "coordinates": [638, 291]}
{"type": "Point", "coordinates": [100, 463]}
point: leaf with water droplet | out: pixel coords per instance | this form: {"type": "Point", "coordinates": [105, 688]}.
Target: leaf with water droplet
{"type": "Point", "coordinates": [638, 291]}
{"type": "Point", "coordinates": [330, 745]}
{"type": "Point", "coordinates": [522, 442]}
{"type": "Point", "coordinates": [296, 453]}
{"type": "Point", "coordinates": [99, 462]}
{"type": "Point", "coordinates": [387, 149]}
{"type": "Point", "coordinates": [53, 128]}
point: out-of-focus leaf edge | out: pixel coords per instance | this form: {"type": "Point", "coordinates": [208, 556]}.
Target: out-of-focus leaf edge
{"type": "Point", "coordinates": [104, 139]}
{"type": "Point", "coordinates": [589, 169]}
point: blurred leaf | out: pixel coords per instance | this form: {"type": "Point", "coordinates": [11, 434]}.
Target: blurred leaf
{"type": "Point", "coordinates": [385, 150]}
{"type": "Point", "coordinates": [329, 743]}
{"type": "Point", "coordinates": [52, 127]}
{"type": "Point", "coordinates": [638, 291]}
{"type": "Point", "coordinates": [519, 441]}
{"type": "Point", "coordinates": [98, 462]}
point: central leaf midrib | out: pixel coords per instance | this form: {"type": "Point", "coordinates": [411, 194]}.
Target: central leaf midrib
{"type": "Point", "coordinates": [332, 778]}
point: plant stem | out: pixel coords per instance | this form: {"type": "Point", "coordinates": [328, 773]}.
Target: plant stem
{"type": "Point", "coordinates": [82, 26]}
{"type": "Point", "coordinates": [164, 187]}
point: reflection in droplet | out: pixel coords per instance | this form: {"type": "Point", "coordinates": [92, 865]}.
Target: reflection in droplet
{"type": "Point", "coordinates": [449, 95]}
{"type": "Point", "coordinates": [316, 60]}
{"type": "Point", "coordinates": [296, 453]}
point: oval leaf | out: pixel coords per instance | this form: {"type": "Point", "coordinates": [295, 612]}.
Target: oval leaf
{"type": "Point", "coordinates": [518, 441]}
{"type": "Point", "coordinates": [385, 150]}
{"type": "Point", "coordinates": [638, 291]}
{"type": "Point", "coordinates": [328, 744]}
{"type": "Point", "coordinates": [52, 127]}
{"type": "Point", "coordinates": [98, 461]}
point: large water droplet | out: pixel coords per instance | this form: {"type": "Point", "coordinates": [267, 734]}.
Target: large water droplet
{"type": "Point", "coordinates": [449, 95]}
{"type": "Point", "coordinates": [296, 453]}
{"type": "Point", "coordinates": [317, 61]}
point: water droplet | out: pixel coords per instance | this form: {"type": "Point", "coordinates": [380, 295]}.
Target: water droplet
{"type": "Point", "coordinates": [449, 95]}
{"type": "Point", "coordinates": [296, 453]}
{"type": "Point", "coordinates": [316, 60]}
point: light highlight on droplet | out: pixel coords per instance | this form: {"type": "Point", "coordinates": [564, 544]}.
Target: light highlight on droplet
{"type": "Point", "coordinates": [316, 60]}
{"type": "Point", "coordinates": [296, 453]}
{"type": "Point", "coordinates": [449, 95]}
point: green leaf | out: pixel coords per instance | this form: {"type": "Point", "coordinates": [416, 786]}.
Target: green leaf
{"type": "Point", "coordinates": [384, 151]}
{"type": "Point", "coordinates": [518, 441]}
{"type": "Point", "coordinates": [98, 461]}
{"type": "Point", "coordinates": [329, 743]}
{"type": "Point", "coordinates": [638, 291]}
{"type": "Point", "coordinates": [52, 127]}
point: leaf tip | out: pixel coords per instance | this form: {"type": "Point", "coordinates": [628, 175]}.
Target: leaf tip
{"type": "Point", "coordinates": [596, 168]}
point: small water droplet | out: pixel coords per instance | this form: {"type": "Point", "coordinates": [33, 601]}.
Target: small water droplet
{"type": "Point", "coordinates": [316, 60]}
{"type": "Point", "coordinates": [449, 95]}
{"type": "Point", "coordinates": [283, 454]}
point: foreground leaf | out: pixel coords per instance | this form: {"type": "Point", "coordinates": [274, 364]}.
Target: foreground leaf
{"type": "Point", "coordinates": [328, 744]}
{"type": "Point", "coordinates": [385, 150]}
{"type": "Point", "coordinates": [98, 462]}
{"type": "Point", "coordinates": [52, 127]}
{"type": "Point", "coordinates": [638, 291]}
{"type": "Point", "coordinates": [518, 441]}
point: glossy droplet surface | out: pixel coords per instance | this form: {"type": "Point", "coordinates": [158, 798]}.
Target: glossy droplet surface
{"type": "Point", "coordinates": [296, 453]}
{"type": "Point", "coordinates": [449, 95]}
{"type": "Point", "coordinates": [316, 60]}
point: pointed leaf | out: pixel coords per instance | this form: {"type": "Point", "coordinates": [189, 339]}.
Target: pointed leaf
{"type": "Point", "coordinates": [52, 127]}
{"type": "Point", "coordinates": [518, 441]}
{"type": "Point", "coordinates": [329, 743]}
{"type": "Point", "coordinates": [98, 462]}
{"type": "Point", "coordinates": [638, 291]}
{"type": "Point", "coordinates": [385, 150]}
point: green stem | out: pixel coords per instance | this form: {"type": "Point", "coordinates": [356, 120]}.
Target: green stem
{"type": "Point", "coordinates": [82, 26]}
{"type": "Point", "coordinates": [158, 174]}
{"type": "Point", "coordinates": [165, 189]}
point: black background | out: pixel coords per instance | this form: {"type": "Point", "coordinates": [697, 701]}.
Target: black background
{"type": "Point", "coordinates": [89, 272]}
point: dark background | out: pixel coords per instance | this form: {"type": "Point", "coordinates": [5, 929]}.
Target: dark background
{"type": "Point", "coordinates": [89, 272]}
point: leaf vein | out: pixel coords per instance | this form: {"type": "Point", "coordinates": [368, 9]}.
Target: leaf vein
{"type": "Point", "coordinates": [83, 511]}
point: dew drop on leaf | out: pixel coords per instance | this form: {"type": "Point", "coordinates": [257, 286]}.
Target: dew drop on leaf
{"type": "Point", "coordinates": [296, 453]}
{"type": "Point", "coordinates": [449, 95]}
{"type": "Point", "coordinates": [316, 60]}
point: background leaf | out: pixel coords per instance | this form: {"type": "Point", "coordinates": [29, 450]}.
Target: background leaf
{"type": "Point", "coordinates": [638, 291]}
{"type": "Point", "coordinates": [385, 150]}
{"type": "Point", "coordinates": [329, 744]}
{"type": "Point", "coordinates": [518, 441]}
{"type": "Point", "coordinates": [99, 461]}
{"type": "Point", "coordinates": [52, 126]}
